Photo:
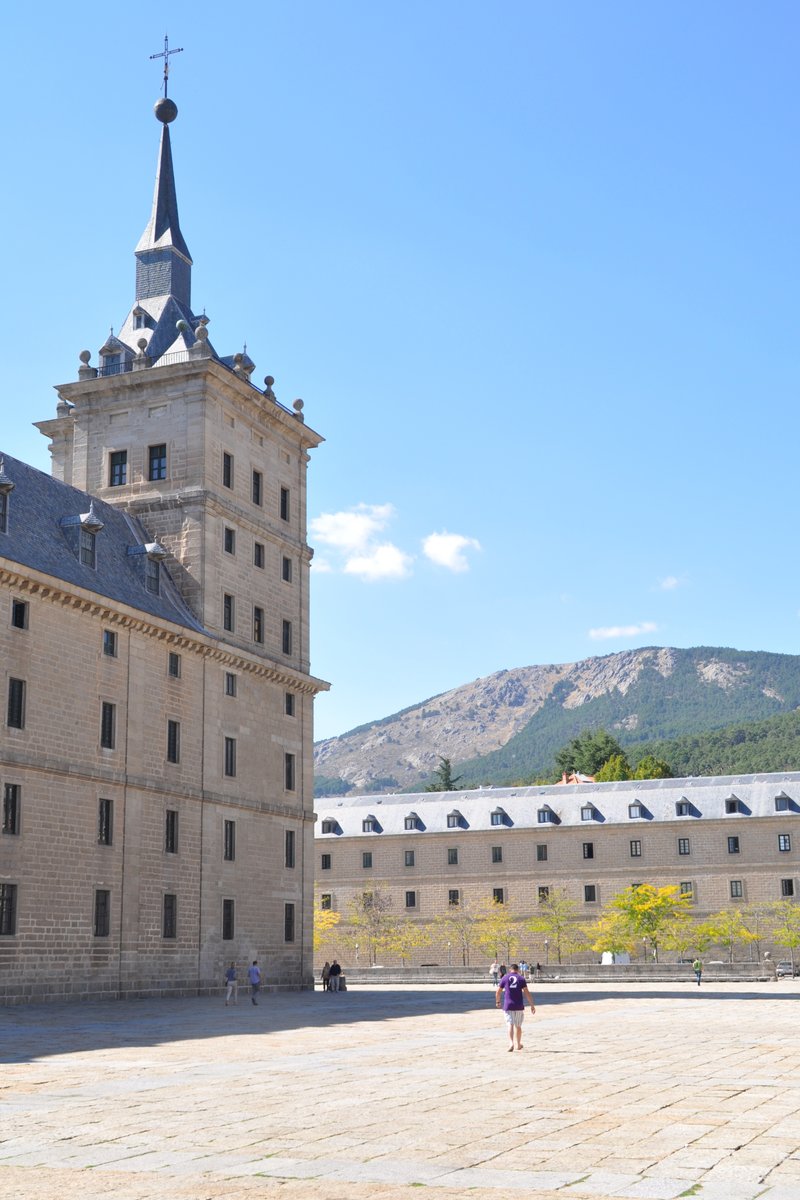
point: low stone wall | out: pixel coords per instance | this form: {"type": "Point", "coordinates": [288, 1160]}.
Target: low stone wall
{"type": "Point", "coordinates": [566, 973]}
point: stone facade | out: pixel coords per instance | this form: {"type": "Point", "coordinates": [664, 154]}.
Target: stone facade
{"type": "Point", "coordinates": [729, 841]}
{"type": "Point", "coordinates": [156, 740]}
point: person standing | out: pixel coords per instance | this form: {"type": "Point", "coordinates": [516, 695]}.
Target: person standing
{"type": "Point", "coordinates": [325, 976]}
{"type": "Point", "coordinates": [231, 985]}
{"type": "Point", "coordinates": [512, 990]}
{"type": "Point", "coordinates": [336, 971]}
{"type": "Point", "coordinates": [697, 967]}
{"type": "Point", "coordinates": [254, 975]}
{"type": "Point", "coordinates": [494, 971]}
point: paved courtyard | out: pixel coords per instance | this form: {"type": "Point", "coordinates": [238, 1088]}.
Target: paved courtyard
{"type": "Point", "coordinates": [656, 1092]}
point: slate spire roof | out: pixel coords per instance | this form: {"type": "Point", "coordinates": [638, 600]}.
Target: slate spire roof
{"type": "Point", "coordinates": [163, 233]}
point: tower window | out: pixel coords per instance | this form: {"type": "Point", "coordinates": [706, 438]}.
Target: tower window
{"type": "Point", "coordinates": [286, 638]}
{"type": "Point", "coordinates": [11, 808]}
{"type": "Point", "coordinates": [230, 540]}
{"type": "Point", "coordinates": [109, 643]}
{"type": "Point", "coordinates": [284, 504]}
{"type": "Point", "coordinates": [258, 624]}
{"type": "Point", "coordinates": [105, 822]}
{"type": "Point", "coordinates": [108, 722]}
{"type": "Point", "coordinates": [286, 569]}
{"type": "Point", "coordinates": [118, 468]}
{"type": "Point", "coordinates": [157, 461]}
{"type": "Point", "coordinates": [174, 665]}
{"type": "Point", "coordinates": [173, 741]}
{"type": "Point", "coordinates": [228, 922]}
{"type": "Point", "coordinates": [169, 927]}
{"type": "Point", "coordinates": [102, 913]}
{"type": "Point", "coordinates": [289, 772]}
{"type": "Point", "coordinates": [288, 703]}
{"type": "Point", "coordinates": [288, 922]}
{"type": "Point", "coordinates": [227, 469]}
{"type": "Point", "coordinates": [171, 831]}
{"type": "Point", "coordinates": [228, 613]}
{"type": "Point", "coordinates": [229, 840]}
{"type": "Point", "coordinates": [288, 847]}
{"type": "Point", "coordinates": [230, 757]}
{"type": "Point", "coordinates": [19, 614]}
{"type": "Point", "coordinates": [258, 488]}
{"type": "Point", "coordinates": [258, 554]}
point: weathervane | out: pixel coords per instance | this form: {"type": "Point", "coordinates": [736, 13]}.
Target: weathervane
{"type": "Point", "coordinates": [165, 53]}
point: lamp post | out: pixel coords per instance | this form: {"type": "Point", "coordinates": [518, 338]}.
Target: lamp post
{"type": "Point", "coordinates": [546, 952]}
{"type": "Point", "coordinates": [356, 951]}
{"type": "Point", "coordinates": [449, 963]}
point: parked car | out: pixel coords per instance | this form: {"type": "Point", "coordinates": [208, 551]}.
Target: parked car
{"type": "Point", "coordinates": [785, 967]}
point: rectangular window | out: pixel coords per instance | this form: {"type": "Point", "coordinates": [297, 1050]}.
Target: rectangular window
{"type": "Point", "coordinates": [589, 893]}
{"type": "Point", "coordinates": [587, 812]}
{"type": "Point", "coordinates": [169, 927]}
{"type": "Point", "coordinates": [733, 845]}
{"type": "Point", "coordinates": [16, 704]}
{"type": "Point", "coordinates": [105, 822]}
{"type": "Point", "coordinates": [544, 894]}
{"type": "Point", "coordinates": [325, 862]}
{"type": "Point", "coordinates": [11, 808]}
{"type": "Point", "coordinates": [682, 808]}
{"type": "Point", "coordinates": [229, 540]}
{"type": "Point", "coordinates": [326, 901]}
{"type": "Point", "coordinates": [784, 841]}
{"type": "Point", "coordinates": [544, 816]}
{"type": "Point", "coordinates": [366, 860]}
{"type": "Point", "coordinates": [174, 665]}
{"type": "Point", "coordinates": [732, 804]}
{"type": "Point", "coordinates": [230, 757]}
{"type": "Point", "coordinates": [230, 683]}
{"type": "Point", "coordinates": [258, 554]}
{"type": "Point", "coordinates": [409, 858]}
{"type": "Point", "coordinates": [286, 569]}
{"type": "Point", "coordinates": [453, 820]}
{"type": "Point", "coordinates": [452, 858]}
{"type": "Point", "coordinates": [19, 614]}
{"type": "Point", "coordinates": [8, 909]}
{"type": "Point", "coordinates": [228, 613]}
{"type": "Point", "coordinates": [782, 802]}
{"type": "Point", "coordinates": [411, 899]}
{"type": "Point", "coordinates": [288, 772]}
{"type": "Point", "coordinates": [787, 888]}
{"type": "Point", "coordinates": [497, 854]}
{"type": "Point", "coordinates": [284, 504]}
{"type": "Point", "coordinates": [453, 897]}
{"type": "Point", "coordinates": [288, 857]}
{"type": "Point", "coordinates": [636, 848]}
{"type": "Point", "coordinates": [109, 643]}
{"type": "Point", "coordinates": [288, 703]}
{"type": "Point", "coordinates": [684, 846]}
{"type": "Point", "coordinates": [635, 810]}
{"type": "Point", "coordinates": [152, 575]}
{"type": "Point", "coordinates": [118, 468]}
{"type": "Point", "coordinates": [498, 895]}
{"type": "Point", "coordinates": [3, 512]}
{"type": "Point", "coordinates": [541, 853]}
{"type": "Point", "coordinates": [258, 624]}
{"type": "Point", "coordinates": [286, 639]}
{"type": "Point", "coordinates": [737, 891]}
{"type": "Point", "coordinates": [228, 923]}
{"type": "Point", "coordinates": [173, 741]}
{"type": "Point", "coordinates": [171, 831]}
{"type": "Point", "coordinates": [227, 469]}
{"type": "Point", "coordinates": [102, 913]}
{"type": "Point", "coordinates": [88, 547]}
{"type": "Point", "coordinates": [687, 888]}
{"type": "Point", "coordinates": [497, 818]}
{"type": "Point", "coordinates": [108, 725]}
{"type": "Point", "coordinates": [288, 922]}
{"type": "Point", "coordinates": [257, 491]}
{"type": "Point", "coordinates": [229, 840]}
{"type": "Point", "coordinates": [157, 461]}
{"type": "Point", "coordinates": [588, 849]}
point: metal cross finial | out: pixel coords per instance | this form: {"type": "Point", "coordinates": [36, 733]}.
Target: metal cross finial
{"type": "Point", "coordinates": [165, 53]}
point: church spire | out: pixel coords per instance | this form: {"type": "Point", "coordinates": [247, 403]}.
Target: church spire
{"type": "Point", "coordinates": [163, 261]}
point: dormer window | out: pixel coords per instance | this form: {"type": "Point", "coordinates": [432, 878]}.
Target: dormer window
{"type": "Point", "coordinates": [329, 825]}
{"type": "Point", "coordinates": [499, 817]}
{"type": "Point", "coordinates": [545, 816]}
{"type": "Point", "coordinates": [369, 825]}
{"type": "Point", "coordinates": [682, 807]}
{"type": "Point", "coordinates": [6, 487]}
{"type": "Point", "coordinates": [152, 575]}
{"type": "Point", "coordinates": [412, 821]}
{"type": "Point", "coordinates": [635, 810]}
{"type": "Point", "coordinates": [587, 812]}
{"type": "Point", "coordinates": [139, 318]}
{"type": "Point", "coordinates": [88, 548]}
{"type": "Point", "coordinates": [454, 819]}
{"type": "Point", "coordinates": [783, 803]}
{"type": "Point", "coordinates": [732, 804]}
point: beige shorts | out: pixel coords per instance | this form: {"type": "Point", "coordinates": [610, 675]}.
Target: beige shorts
{"type": "Point", "coordinates": [515, 1016]}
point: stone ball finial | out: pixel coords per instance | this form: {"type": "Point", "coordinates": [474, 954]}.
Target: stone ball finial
{"type": "Point", "coordinates": [201, 333]}
{"type": "Point", "coordinates": [182, 326]}
{"type": "Point", "coordinates": [166, 110]}
{"type": "Point", "coordinates": [269, 380]}
{"type": "Point", "coordinates": [142, 344]}
{"type": "Point", "coordinates": [84, 356]}
{"type": "Point", "coordinates": [297, 405]}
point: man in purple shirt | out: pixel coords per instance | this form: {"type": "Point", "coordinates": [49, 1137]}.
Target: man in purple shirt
{"type": "Point", "coordinates": [513, 990]}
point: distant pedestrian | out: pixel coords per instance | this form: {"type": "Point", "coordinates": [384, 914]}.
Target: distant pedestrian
{"type": "Point", "coordinates": [538, 970]}
{"type": "Point", "coordinates": [501, 970]}
{"type": "Point", "coordinates": [697, 967]}
{"type": "Point", "coordinates": [494, 971]}
{"type": "Point", "coordinates": [335, 972]}
{"type": "Point", "coordinates": [325, 976]}
{"type": "Point", "coordinates": [231, 985]}
{"type": "Point", "coordinates": [512, 990]}
{"type": "Point", "coordinates": [254, 975]}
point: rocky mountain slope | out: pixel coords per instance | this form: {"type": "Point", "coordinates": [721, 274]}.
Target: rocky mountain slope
{"type": "Point", "coordinates": [509, 725]}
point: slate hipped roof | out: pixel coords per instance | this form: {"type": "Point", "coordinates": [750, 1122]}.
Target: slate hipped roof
{"type": "Point", "coordinates": [37, 539]}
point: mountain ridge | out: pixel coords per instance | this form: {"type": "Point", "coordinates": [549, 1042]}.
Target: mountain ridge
{"type": "Point", "coordinates": [508, 725]}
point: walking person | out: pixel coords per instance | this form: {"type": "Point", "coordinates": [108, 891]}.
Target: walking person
{"type": "Point", "coordinates": [512, 990]}
{"type": "Point", "coordinates": [697, 967]}
{"type": "Point", "coordinates": [494, 971]}
{"type": "Point", "coordinates": [254, 975]}
{"type": "Point", "coordinates": [335, 972]}
{"type": "Point", "coordinates": [231, 985]}
{"type": "Point", "coordinates": [325, 976]}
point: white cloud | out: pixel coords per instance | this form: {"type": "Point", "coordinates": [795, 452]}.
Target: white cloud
{"type": "Point", "coordinates": [380, 562]}
{"type": "Point", "coordinates": [353, 530]}
{"type": "Point", "coordinates": [321, 566]}
{"type": "Point", "coordinates": [669, 583]}
{"type": "Point", "coordinates": [623, 631]}
{"type": "Point", "coordinates": [447, 550]}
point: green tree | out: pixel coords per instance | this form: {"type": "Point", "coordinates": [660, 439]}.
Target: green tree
{"type": "Point", "coordinates": [460, 924]}
{"type": "Point", "coordinates": [616, 767]}
{"type": "Point", "coordinates": [786, 931]}
{"type": "Point", "coordinates": [499, 929]}
{"type": "Point", "coordinates": [727, 928]}
{"type": "Point", "coordinates": [443, 780]}
{"type": "Point", "coordinates": [404, 937]}
{"type": "Point", "coordinates": [649, 911]}
{"type": "Point", "coordinates": [759, 921]}
{"type": "Point", "coordinates": [325, 921]}
{"type": "Point", "coordinates": [651, 767]}
{"type": "Point", "coordinates": [587, 752]}
{"type": "Point", "coordinates": [611, 933]}
{"type": "Point", "coordinates": [557, 919]}
{"type": "Point", "coordinates": [371, 921]}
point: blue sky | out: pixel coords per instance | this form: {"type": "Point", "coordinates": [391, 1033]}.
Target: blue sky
{"type": "Point", "coordinates": [532, 268]}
